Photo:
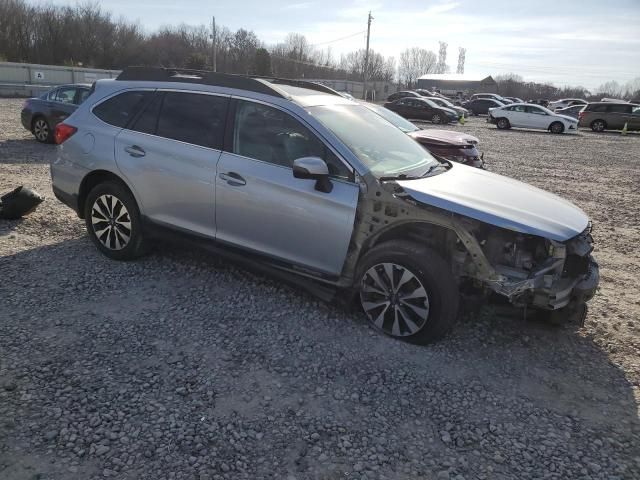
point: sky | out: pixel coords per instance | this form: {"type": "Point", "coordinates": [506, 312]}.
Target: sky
{"type": "Point", "coordinates": [570, 42]}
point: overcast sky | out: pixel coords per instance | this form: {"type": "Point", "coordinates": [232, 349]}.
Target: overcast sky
{"type": "Point", "coordinates": [574, 42]}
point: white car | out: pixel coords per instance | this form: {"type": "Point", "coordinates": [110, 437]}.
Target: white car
{"type": "Point", "coordinates": [528, 115]}
{"type": "Point", "coordinates": [565, 102]}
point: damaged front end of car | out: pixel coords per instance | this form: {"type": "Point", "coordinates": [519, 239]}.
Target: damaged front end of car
{"type": "Point", "coordinates": [531, 271]}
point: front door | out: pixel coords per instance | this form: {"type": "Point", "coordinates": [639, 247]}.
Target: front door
{"type": "Point", "coordinates": [261, 207]}
{"type": "Point", "coordinates": [538, 118]}
{"type": "Point", "coordinates": [62, 104]}
{"type": "Point", "coordinates": [169, 155]}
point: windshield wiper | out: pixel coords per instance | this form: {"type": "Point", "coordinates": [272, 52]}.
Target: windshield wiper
{"type": "Point", "coordinates": [432, 168]}
{"type": "Point", "coordinates": [402, 176]}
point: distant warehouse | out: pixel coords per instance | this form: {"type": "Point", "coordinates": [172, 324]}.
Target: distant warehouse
{"type": "Point", "coordinates": [455, 83]}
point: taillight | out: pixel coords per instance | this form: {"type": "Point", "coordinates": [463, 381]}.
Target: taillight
{"type": "Point", "coordinates": [63, 132]}
{"type": "Point", "coordinates": [580, 115]}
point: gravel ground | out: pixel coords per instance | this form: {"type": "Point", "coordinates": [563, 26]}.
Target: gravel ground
{"type": "Point", "coordinates": [183, 366]}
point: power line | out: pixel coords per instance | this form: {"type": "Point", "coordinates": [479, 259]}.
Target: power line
{"type": "Point", "coordinates": [338, 39]}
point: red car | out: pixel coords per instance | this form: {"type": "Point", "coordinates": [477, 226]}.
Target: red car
{"type": "Point", "coordinates": [448, 144]}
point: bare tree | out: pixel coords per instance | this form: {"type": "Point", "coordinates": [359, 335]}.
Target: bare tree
{"type": "Point", "coordinates": [415, 62]}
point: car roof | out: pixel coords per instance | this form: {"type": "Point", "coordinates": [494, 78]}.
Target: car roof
{"type": "Point", "coordinates": [65, 85]}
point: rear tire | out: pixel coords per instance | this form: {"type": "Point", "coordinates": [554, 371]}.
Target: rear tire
{"type": "Point", "coordinates": [503, 124]}
{"type": "Point", "coordinates": [598, 125]}
{"type": "Point", "coordinates": [41, 130]}
{"type": "Point", "coordinates": [556, 127]}
{"type": "Point", "coordinates": [435, 118]}
{"type": "Point", "coordinates": [113, 221]}
{"type": "Point", "coordinates": [407, 291]}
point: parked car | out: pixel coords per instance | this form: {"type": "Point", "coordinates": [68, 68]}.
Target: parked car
{"type": "Point", "coordinates": [601, 116]}
{"type": "Point", "coordinates": [571, 111]}
{"type": "Point", "coordinates": [41, 114]}
{"type": "Point", "coordinates": [461, 111]}
{"type": "Point", "coordinates": [422, 109]}
{"type": "Point", "coordinates": [481, 106]}
{"type": "Point", "coordinates": [494, 96]}
{"type": "Point", "coordinates": [318, 189]}
{"type": "Point", "coordinates": [565, 102]}
{"type": "Point", "coordinates": [403, 94]}
{"type": "Point", "coordinates": [447, 144]}
{"type": "Point", "coordinates": [540, 101]}
{"type": "Point", "coordinates": [525, 115]}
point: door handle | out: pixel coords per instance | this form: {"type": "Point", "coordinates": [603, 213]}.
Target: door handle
{"type": "Point", "coordinates": [135, 151]}
{"type": "Point", "coordinates": [232, 178]}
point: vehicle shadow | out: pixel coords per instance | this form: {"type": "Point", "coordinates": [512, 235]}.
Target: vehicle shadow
{"type": "Point", "coordinates": [26, 151]}
{"type": "Point", "coordinates": [8, 226]}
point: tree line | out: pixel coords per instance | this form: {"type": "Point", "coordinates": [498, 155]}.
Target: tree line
{"type": "Point", "coordinates": [86, 35]}
{"type": "Point", "coordinates": [513, 85]}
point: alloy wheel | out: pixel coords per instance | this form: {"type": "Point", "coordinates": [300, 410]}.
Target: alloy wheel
{"type": "Point", "coordinates": [557, 128]}
{"type": "Point", "coordinates": [394, 299]}
{"type": "Point", "coordinates": [111, 222]}
{"type": "Point", "coordinates": [41, 130]}
{"type": "Point", "coordinates": [435, 119]}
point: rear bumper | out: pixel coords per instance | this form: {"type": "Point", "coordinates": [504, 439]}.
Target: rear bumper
{"type": "Point", "coordinates": [25, 118]}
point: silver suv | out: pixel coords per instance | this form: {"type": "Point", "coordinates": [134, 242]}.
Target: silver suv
{"type": "Point", "coordinates": [294, 178]}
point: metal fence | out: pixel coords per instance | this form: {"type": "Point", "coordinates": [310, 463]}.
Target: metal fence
{"type": "Point", "coordinates": [30, 79]}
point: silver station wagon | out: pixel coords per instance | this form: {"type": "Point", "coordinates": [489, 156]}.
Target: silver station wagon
{"type": "Point", "coordinates": [290, 177]}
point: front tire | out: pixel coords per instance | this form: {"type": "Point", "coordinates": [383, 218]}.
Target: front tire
{"type": "Point", "coordinates": [503, 124]}
{"type": "Point", "coordinates": [113, 221]}
{"type": "Point", "coordinates": [598, 125]}
{"type": "Point", "coordinates": [435, 118]}
{"type": "Point", "coordinates": [407, 291]}
{"type": "Point", "coordinates": [41, 130]}
{"type": "Point", "coordinates": [556, 127]}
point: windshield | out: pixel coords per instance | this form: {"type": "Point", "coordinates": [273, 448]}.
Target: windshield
{"type": "Point", "coordinates": [443, 102]}
{"type": "Point", "coordinates": [402, 123]}
{"type": "Point", "coordinates": [379, 145]}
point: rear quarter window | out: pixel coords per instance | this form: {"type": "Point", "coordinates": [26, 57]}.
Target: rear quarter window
{"type": "Point", "coordinates": [120, 109]}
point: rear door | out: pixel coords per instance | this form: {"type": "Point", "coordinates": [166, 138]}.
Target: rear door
{"type": "Point", "coordinates": [169, 154]}
{"type": "Point", "coordinates": [634, 122]}
{"type": "Point", "coordinates": [261, 207]}
{"type": "Point", "coordinates": [618, 115]}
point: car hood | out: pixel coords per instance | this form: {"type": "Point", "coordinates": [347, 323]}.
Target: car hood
{"type": "Point", "coordinates": [499, 201]}
{"type": "Point", "coordinates": [444, 137]}
{"type": "Point", "coordinates": [448, 110]}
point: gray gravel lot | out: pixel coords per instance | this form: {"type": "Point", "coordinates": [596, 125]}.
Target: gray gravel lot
{"type": "Point", "coordinates": [183, 366]}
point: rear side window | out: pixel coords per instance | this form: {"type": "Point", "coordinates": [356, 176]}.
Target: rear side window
{"type": "Point", "coordinates": [119, 110]}
{"type": "Point", "coordinates": [193, 118]}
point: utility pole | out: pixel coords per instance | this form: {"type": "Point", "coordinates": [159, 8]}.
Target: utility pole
{"type": "Point", "coordinates": [366, 57]}
{"type": "Point", "coordinates": [213, 43]}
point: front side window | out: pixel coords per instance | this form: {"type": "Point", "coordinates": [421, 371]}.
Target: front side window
{"type": "Point", "coordinates": [273, 136]}
{"type": "Point", "coordinates": [536, 111]}
{"type": "Point", "coordinates": [193, 118]}
{"type": "Point", "coordinates": [65, 95]}
{"type": "Point", "coordinates": [519, 108]}
{"type": "Point", "coordinates": [620, 108]}
{"type": "Point", "coordinates": [120, 109]}
{"type": "Point", "coordinates": [382, 148]}
{"type": "Point", "coordinates": [83, 94]}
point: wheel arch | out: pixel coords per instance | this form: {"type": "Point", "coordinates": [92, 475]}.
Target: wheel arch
{"type": "Point", "coordinates": [420, 232]}
{"type": "Point", "coordinates": [97, 177]}
{"type": "Point", "coordinates": [606, 125]}
{"type": "Point", "coordinates": [35, 117]}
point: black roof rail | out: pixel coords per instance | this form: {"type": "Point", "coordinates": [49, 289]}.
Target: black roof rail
{"type": "Point", "coordinates": [204, 77]}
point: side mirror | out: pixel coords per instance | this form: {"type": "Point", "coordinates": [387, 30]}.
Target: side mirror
{"type": "Point", "coordinates": [313, 168]}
